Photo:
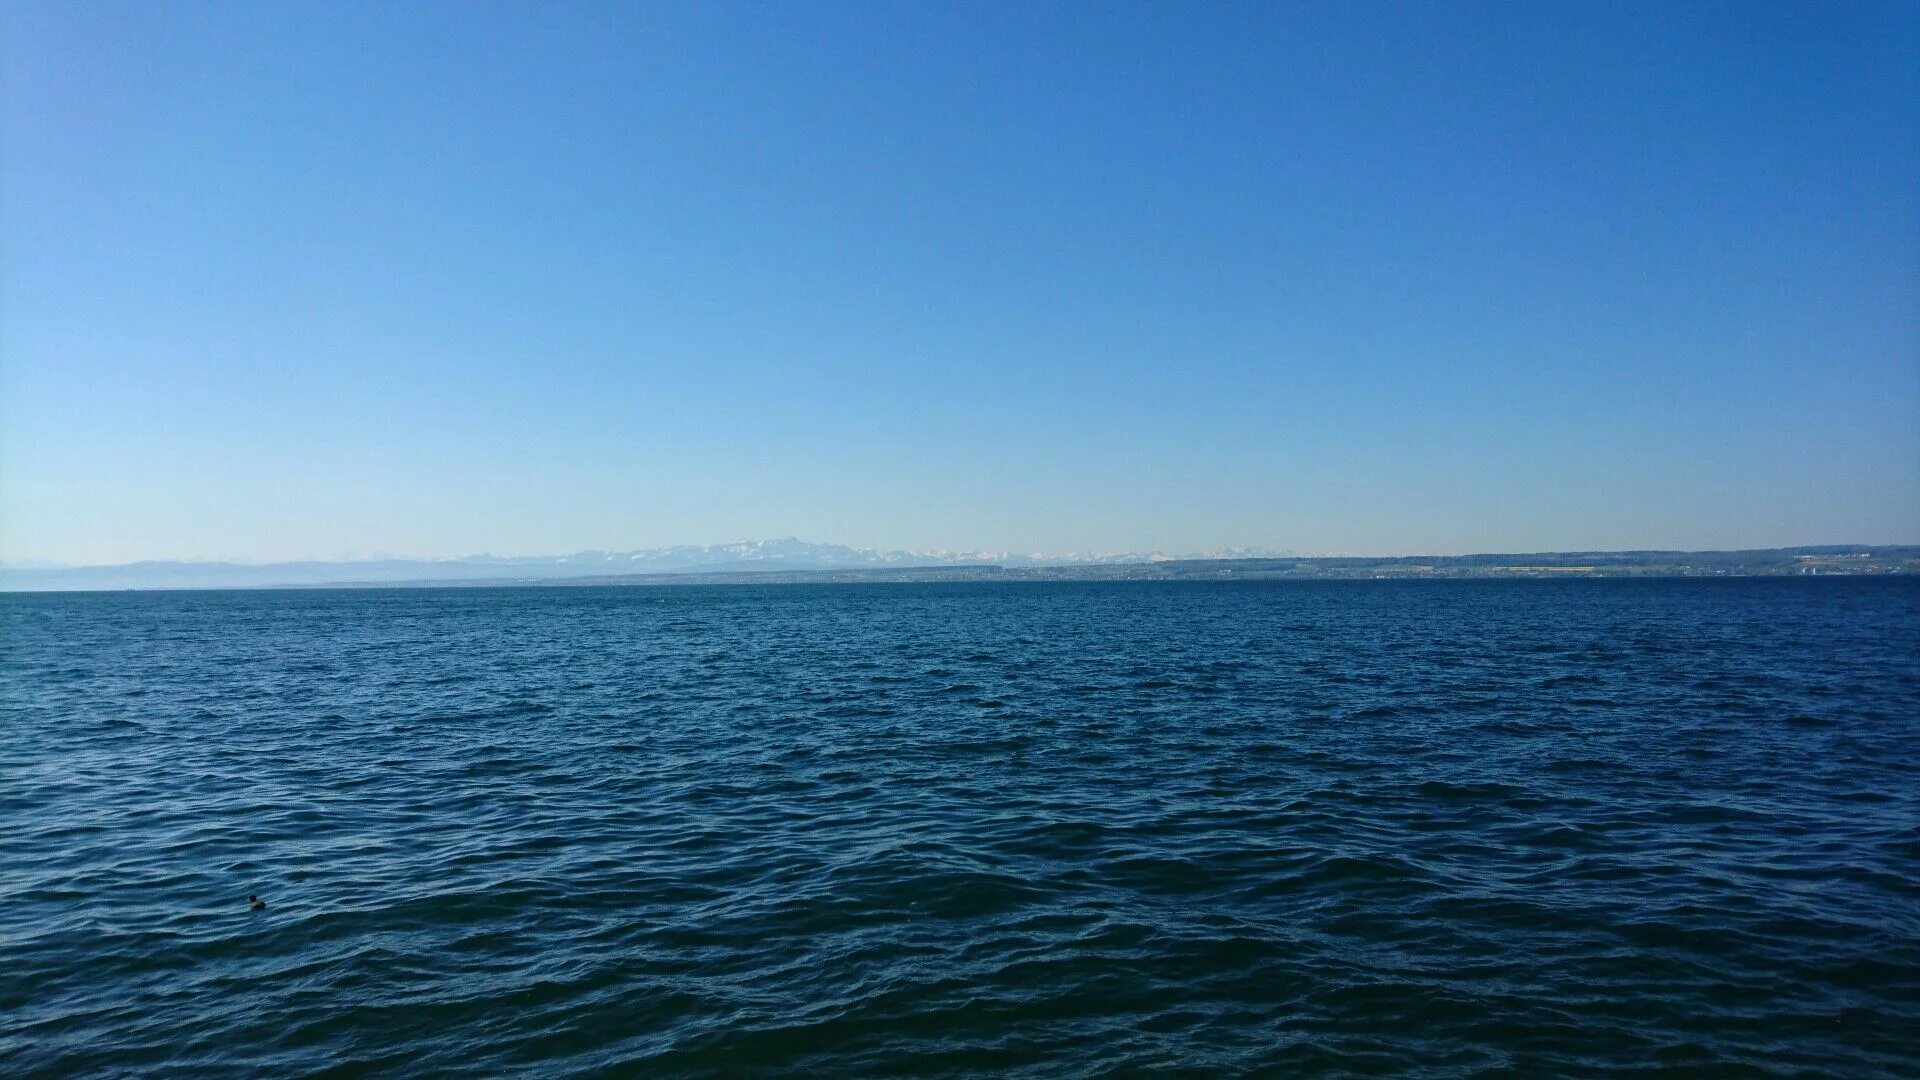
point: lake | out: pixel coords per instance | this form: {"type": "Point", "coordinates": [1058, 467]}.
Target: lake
{"type": "Point", "coordinates": [1445, 828]}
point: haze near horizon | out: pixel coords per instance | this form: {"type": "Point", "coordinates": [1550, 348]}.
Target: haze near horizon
{"type": "Point", "coordinates": [313, 280]}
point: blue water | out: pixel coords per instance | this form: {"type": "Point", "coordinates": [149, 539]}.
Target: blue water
{"type": "Point", "coordinates": [1540, 828]}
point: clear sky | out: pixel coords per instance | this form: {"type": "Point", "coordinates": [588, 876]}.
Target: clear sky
{"type": "Point", "coordinates": [283, 280]}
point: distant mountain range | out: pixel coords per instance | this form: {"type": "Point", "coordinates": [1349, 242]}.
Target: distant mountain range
{"type": "Point", "coordinates": [791, 560]}
{"type": "Point", "coordinates": [788, 554]}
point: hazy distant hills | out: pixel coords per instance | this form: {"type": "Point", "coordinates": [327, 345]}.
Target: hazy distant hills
{"type": "Point", "coordinates": [788, 554]}
{"type": "Point", "coordinates": [798, 560]}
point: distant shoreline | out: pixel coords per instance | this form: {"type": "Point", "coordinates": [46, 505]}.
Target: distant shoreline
{"type": "Point", "coordinates": [1829, 560]}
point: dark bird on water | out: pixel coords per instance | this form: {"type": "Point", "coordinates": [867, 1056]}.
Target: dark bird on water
{"type": "Point", "coordinates": [256, 903]}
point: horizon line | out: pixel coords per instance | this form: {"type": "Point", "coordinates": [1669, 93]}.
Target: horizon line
{"type": "Point", "coordinates": [1224, 553]}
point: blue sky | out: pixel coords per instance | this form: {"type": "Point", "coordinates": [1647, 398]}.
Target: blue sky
{"type": "Point", "coordinates": [291, 280]}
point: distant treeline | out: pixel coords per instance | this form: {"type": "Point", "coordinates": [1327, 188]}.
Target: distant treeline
{"type": "Point", "coordinates": [1826, 559]}
{"type": "Point", "coordinates": [1830, 559]}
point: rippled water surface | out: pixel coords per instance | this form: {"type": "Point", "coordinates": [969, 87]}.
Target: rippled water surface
{"type": "Point", "coordinates": [1443, 828]}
